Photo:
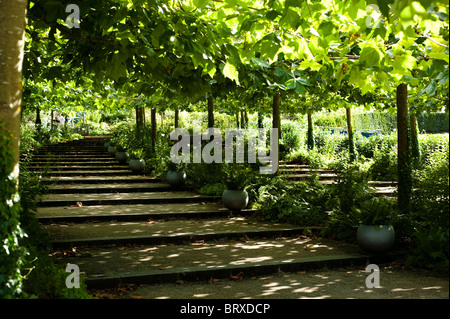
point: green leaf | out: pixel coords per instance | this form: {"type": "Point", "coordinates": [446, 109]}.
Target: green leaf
{"type": "Point", "coordinates": [291, 19]}
{"type": "Point", "coordinates": [370, 56]}
{"type": "Point", "coordinates": [261, 62]}
{"type": "Point", "coordinates": [404, 62]}
{"type": "Point", "coordinates": [231, 72]}
{"type": "Point", "coordinates": [294, 3]}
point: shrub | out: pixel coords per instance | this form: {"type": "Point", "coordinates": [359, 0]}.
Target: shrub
{"type": "Point", "coordinates": [299, 203]}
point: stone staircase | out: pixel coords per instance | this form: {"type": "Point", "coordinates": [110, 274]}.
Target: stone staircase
{"type": "Point", "coordinates": [301, 172]}
{"type": "Point", "coordinates": [122, 227]}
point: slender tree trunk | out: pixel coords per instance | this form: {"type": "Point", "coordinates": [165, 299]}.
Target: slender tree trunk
{"type": "Point", "coordinates": [210, 112]}
{"type": "Point", "coordinates": [12, 30]}
{"type": "Point", "coordinates": [310, 133]}
{"type": "Point", "coordinates": [404, 167]}
{"type": "Point", "coordinates": [276, 121]}
{"type": "Point", "coordinates": [351, 142]}
{"type": "Point", "coordinates": [260, 119]}
{"type": "Point", "coordinates": [51, 120]}
{"type": "Point", "coordinates": [38, 122]}
{"type": "Point", "coordinates": [242, 119]}
{"type": "Point", "coordinates": [153, 123]}
{"type": "Point", "coordinates": [177, 114]}
{"type": "Point", "coordinates": [237, 120]}
{"type": "Point", "coordinates": [140, 118]}
{"type": "Point", "coordinates": [415, 150]}
{"type": "Point", "coordinates": [246, 118]}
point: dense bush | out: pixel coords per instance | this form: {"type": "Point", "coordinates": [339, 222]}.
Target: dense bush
{"type": "Point", "coordinates": [299, 203]}
{"type": "Point", "coordinates": [427, 122]}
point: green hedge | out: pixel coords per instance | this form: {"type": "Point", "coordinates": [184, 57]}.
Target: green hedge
{"type": "Point", "coordinates": [433, 122]}
{"type": "Point", "coordinates": [386, 122]}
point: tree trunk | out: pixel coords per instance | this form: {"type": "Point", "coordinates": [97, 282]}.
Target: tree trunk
{"type": "Point", "coordinates": [404, 167]}
{"type": "Point", "coordinates": [51, 120]}
{"type": "Point", "coordinates": [246, 118]}
{"type": "Point", "coordinates": [140, 118]}
{"type": "Point", "coordinates": [237, 120]}
{"type": "Point", "coordinates": [210, 112]}
{"type": "Point", "coordinates": [153, 122]}
{"type": "Point", "coordinates": [276, 121]}
{"type": "Point", "coordinates": [260, 119]}
{"type": "Point", "coordinates": [177, 114]}
{"type": "Point", "coordinates": [38, 122]}
{"type": "Point", "coordinates": [351, 142]}
{"type": "Point", "coordinates": [12, 29]}
{"type": "Point", "coordinates": [415, 150]}
{"type": "Point", "coordinates": [310, 136]}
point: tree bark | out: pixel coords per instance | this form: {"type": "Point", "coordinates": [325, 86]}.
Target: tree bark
{"type": "Point", "coordinates": [38, 122]}
{"type": "Point", "coordinates": [51, 120]}
{"type": "Point", "coordinates": [177, 114]}
{"type": "Point", "coordinates": [276, 121]}
{"type": "Point", "coordinates": [310, 136]}
{"type": "Point", "coordinates": [140, 118]}
{"type": "Point", "coordinates": [12, 30]}
{"type": "Point", "coordinates": [351, 142]}
{"type": "Point", "coordinates": [210, 112]}
{"type": "Point", "coordinates": [415, 150]}
{"type": "Point", "coordinates": [153, 122]}
{"type": "Point", "coordinates": [260, 120]}
{"type": "Point", "coordinates": [403, 165]}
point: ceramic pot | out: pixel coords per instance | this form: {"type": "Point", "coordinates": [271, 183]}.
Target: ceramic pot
{"type": "Point", "coordinates": [137, 165]}
{"type": "Point", "coordinates": [376, 239]}
{"type": "Point", "coordinates": [176, 178]}
{"type": "Point", "coordinates": [235, 199]}
{"type": "Point", "coordinates": [122, 157]}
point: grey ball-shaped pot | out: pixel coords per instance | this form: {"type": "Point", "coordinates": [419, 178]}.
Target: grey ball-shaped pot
{"type": "Point", "coordinates": [137, 165]}
{"type": "Point", "coordinates": [112, 150]}
{"type": "Point", "coordinates": [235, 199]}
{"type": "Point", "coordinates": [375, 239]}
{"type": "Point", "coordinates": [122, 157]}
{"type": "Point", "coordinates": [176, 178]}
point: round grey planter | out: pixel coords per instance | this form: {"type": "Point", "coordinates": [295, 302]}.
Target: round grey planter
{"type": "Point", "coordinates": [122, 157]}
{"type": "Point", "coordinates": [137, 165]}
{"type": "Point", "coordinates": [176, 178]}
{"type": "Point", "coordinates": [376, 239]}
{"type": "Point", "coordinates": [235, 199]}
{"type": "Point", "coordinates": [112, 150]}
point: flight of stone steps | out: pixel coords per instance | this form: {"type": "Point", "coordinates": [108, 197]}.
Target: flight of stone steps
{"type": "Point", "coordinates": [302, 172]}
{"type": "Point", "coordinates": [121, 227]}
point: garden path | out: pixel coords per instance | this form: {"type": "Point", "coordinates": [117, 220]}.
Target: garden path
{"type": "Point", "coordinates": [122, 227]}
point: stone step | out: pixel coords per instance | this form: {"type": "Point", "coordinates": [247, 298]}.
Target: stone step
{"type": "Point", "coordinates": [109, 172]}
{"type": "Point", "coordinates": [74, 154]}
{"type": "Point", "coordinates": [52, 200]}
{"type": "Point", "coordinates": [72, 159]}
{"type": "Point", "coordinates": [99, 179]}
{"type": "Point", "coordinates": [113, 188]}
{"type": "Point", "coordinates": [306, 176]}
{"type": "Point", "coordinates": [109, 162]}
{"type": "Point", "coordinates": [162, 232]}
{"type": "Point", "coordinates": [109, 159]}
{"type": "Point", "coordinates": [306, 170]}
{"type": "Point", "coordinates": [205, 259]}
{"type": "Point", "coordinates": [74, 147]}
{"type": "Point", "coordinates": [75, 167]}
{"type": "Point", "coordinates": [135, 212]}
